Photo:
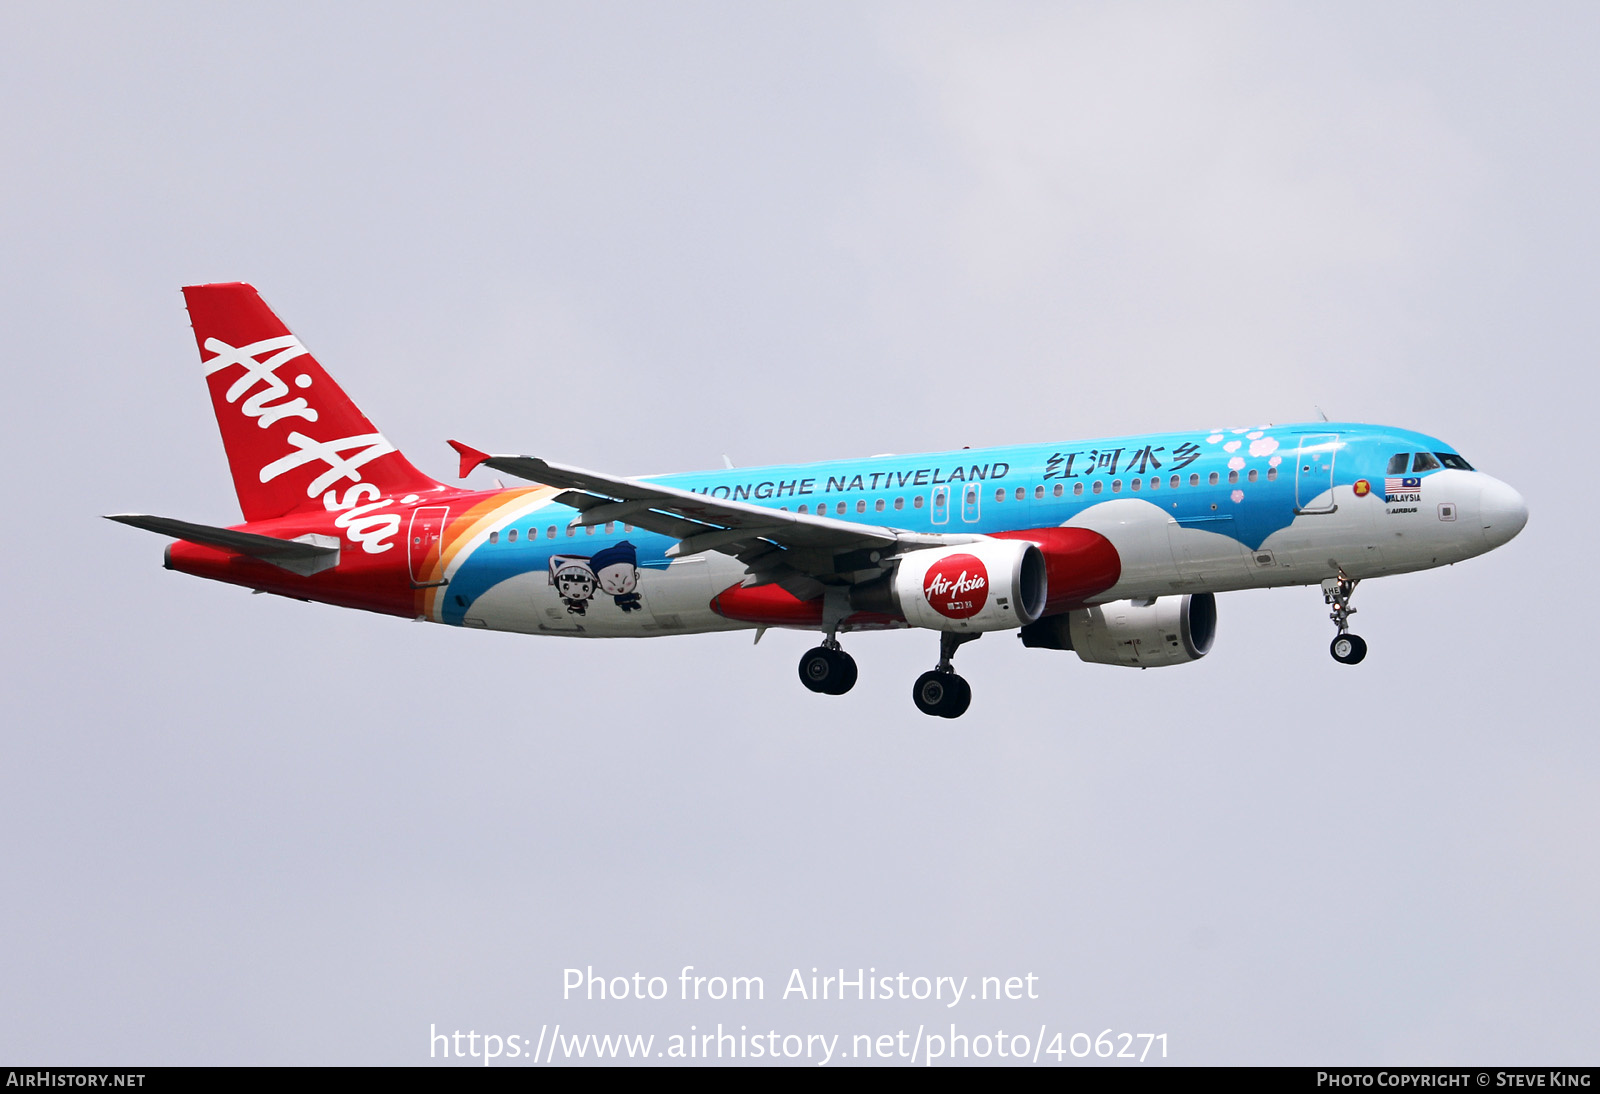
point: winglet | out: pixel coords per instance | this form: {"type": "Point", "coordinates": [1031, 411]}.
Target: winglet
{"type": "Point", "coordinates": [470, 457]}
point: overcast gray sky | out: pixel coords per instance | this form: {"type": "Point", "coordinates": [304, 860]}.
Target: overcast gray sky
{"type": "Point", "coordinates": [636, 237]}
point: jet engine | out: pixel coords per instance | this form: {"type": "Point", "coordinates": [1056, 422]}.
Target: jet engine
{"type": "Point", "coordinates": [990, 585]}
{"type": "Point", "coordinates": [1171, 630]}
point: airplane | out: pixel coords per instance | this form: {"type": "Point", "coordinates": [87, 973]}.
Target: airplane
{"type": "Point", "coordinates": [1113, 549]}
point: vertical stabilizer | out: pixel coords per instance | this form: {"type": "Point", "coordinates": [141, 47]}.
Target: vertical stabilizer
{"type": "Point", "coordinates": [292, 435]}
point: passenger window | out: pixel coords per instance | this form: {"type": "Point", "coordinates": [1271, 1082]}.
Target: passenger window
{"type": "Point", "coordinates": [1022, 493]}
{"type": "Point", "coordinates": [878, 505]}
{"type": "Point", "coordinates": [1194, 480]}
{"type": "Point", "coordinates": [1057, 490]}
{"type": "Point", "coordinates": [511, 536]}
{"type": "Point", "coordinates": [1077, 488]}
{"type": "Point", "coordinates": [1213, 478]}
{"type": "Point", "coordinates": [861, 506]}
{"type": "Point", "coordinates": [1000, 494]}
{"type": "Point", "coordinates": [1155, 482]}
{"type": "Point", "coordinates": [610, 526]}
{"type": "Point", "coordinates": [1038, 491]}
{"type": "Point", "coordinates": [550, 532]}
{"type": "Point", "coordinates": [1253, 474]}
{"type": "Point", "coordinates": [1272, 474]}
{"type": "Point", "coordinates": [494, 537]}
{"type": "Point", "coordinates": [899, 503]}
{"type": "Point", "coordinates": [1116, 486]}
{"type": "Point", "coordinates": [916, 502]}
{"type": "Point", "coordinates": [1098, 485]}
{"type": "Point", "coordinates": [588, 530]}
{"type": "Point", "coordinates": [805, 509]}
{"type": "Point", "coordinates": [1233, 477]}
{"type": "Point", "coordinates": [1397, 463]}
{"type": "Point", "coordinates": [1176, 479]}
{"type": "Point", "coordinates": [1423, 461]}
{"type": "Point", "coordinates": [1135, 483]}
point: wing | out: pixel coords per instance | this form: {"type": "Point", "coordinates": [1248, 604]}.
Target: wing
{"type": "Point", "coordinates": [798, 551]}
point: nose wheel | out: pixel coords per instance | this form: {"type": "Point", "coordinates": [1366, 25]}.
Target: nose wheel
{"type": "Point", "coordinates": [828, 670]}
{"type": "Point", "coordinates": [1347, 648]}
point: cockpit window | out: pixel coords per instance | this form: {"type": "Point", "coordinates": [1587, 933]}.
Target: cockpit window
{"type": "Point", "coordinates": [1423, 462]}
{"type": "Point", "coordinates": [1453, 462]}
{"type": "Point", "coordinates": [1397, 463]}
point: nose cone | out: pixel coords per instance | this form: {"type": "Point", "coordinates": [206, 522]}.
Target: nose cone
{"type": "Point", "coordinates": [1502, 510]}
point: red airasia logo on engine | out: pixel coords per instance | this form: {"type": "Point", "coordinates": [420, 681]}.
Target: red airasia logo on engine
{"type": "Point", "coordinates": [957, 587]}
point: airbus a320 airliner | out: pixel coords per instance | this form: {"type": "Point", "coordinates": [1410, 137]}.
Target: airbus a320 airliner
{"type": "Point", "coordinates": [1113, 549]}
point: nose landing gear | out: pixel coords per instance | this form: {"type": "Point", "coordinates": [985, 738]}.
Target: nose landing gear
{"type": "Point", "coordinates": [940, 692]}
{"type": "Point", "coordinates": [1347, 648]}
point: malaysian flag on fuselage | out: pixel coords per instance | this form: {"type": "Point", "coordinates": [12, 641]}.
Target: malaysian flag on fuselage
{"type": "Point", "coordinates": [1402, 485]}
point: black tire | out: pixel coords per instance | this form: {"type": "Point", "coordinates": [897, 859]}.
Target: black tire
{"type": "Point", "coordinates": [847, 674]}
{"type": "Point", "coordinates": [828, 672]}
{"type": "Point", "coordinates": [1348, 649]}
{"type": "Point", "coordinates": [959, 697]}
{"type": "Point", "coordinates": [930, 692]}
{"type": "Point", "coordinates": [818, 669]}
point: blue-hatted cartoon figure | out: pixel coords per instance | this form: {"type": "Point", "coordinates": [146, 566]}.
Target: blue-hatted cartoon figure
{"type": "Point", "coordinates": [617, 571]}
{"type": "Point", "coordinates": [574, 581]}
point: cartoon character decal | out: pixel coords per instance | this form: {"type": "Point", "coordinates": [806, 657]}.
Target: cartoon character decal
{"type": "Point", "coordinates": [574, 581]}
{"type": "Point", "coordinates": [615, 571]}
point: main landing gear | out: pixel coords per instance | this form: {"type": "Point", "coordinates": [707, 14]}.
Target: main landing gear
{"type": "Point", "coordinates": [1347, 648]}
{"type": "Point", "coordinates": [940, 691]}
{"type": "Point", "coordinates": [827, 669]}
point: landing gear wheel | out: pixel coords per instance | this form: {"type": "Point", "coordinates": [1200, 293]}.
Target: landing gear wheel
{"type": "Point", "coordinates": [1348, 649]}
{"type": "Point", "coordinates": [941, 694]}
{"type": "Point", "coordinates": [960, 697]}
{"type": "Point", "coordinates": [828, 671]}
{"type": "Point", "coordinates": [848, 680]}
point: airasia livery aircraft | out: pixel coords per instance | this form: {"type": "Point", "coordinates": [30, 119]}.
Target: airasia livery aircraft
{"type": "Point", "coordinates": [1113, 549]}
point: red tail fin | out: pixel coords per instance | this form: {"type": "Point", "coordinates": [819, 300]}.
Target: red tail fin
{"type": "Point", "coordinates": [291, 434]}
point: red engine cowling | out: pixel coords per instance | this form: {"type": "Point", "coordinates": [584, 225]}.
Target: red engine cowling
{"type": "Point", "coordinates": [991, 585]}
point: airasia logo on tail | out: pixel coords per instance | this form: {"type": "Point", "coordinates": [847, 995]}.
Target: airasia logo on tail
{"type": "Point", "coordinates": [341, 459]}
{"type": "Point", "coordinates": [957, 587]}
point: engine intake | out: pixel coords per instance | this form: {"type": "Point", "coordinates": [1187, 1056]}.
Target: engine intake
{"type": "Point", "coordinates": [1138, 633]}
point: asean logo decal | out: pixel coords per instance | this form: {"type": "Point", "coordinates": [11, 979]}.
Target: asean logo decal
{"type": "Point", "coordinates": [1363, 488]}
{"type": "Point", "coordinates": [957, 587]}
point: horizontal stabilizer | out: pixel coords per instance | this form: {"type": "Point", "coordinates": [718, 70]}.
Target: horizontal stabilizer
{"type": "Point", "coordinates": [307, 555]}
{"type": "Point", "coordinates": [470, 457]}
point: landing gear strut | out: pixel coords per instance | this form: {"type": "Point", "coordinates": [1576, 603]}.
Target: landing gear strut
{"type": "Point", "coordinates": [827, 669]}
{"type": "Point", "coordinates": [941, 692]}
{"type": "Point", "coordinates": [1347, 648]}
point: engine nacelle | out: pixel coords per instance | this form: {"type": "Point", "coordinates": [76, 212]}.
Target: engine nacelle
{"type": "Point", "coordinates": [1171, 630]}
{"type": "Point", "coordinates": [990, 585]}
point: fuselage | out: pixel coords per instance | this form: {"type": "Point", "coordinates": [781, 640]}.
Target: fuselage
{"type": "Point", "coordinates": [1148, 516]}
